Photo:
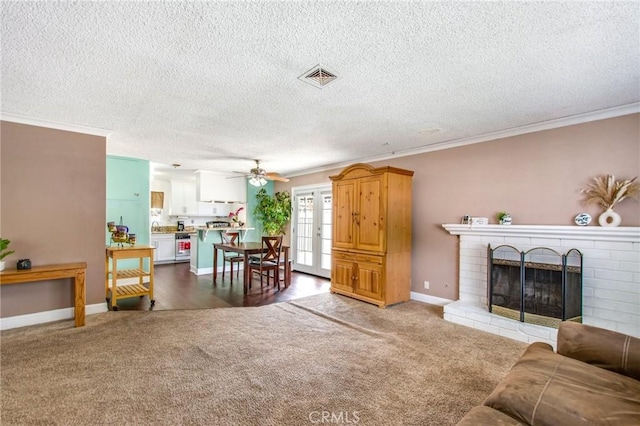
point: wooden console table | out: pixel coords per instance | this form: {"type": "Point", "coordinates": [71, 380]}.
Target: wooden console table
{"type": "Point", "coordinates": [77, 271]}
{"type": "Point", "coordinates": [131, 290]}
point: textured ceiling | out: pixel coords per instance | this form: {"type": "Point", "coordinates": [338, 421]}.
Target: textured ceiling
{"type": "Point", "coordinates": [212, 85]}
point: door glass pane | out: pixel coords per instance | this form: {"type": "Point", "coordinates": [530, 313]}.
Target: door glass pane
{"type": "Point", "coordinates": [325, 232]}
{"type": "Point", "coordinates": [304, 254]}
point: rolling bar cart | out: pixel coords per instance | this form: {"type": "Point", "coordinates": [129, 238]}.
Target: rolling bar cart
{"type": "Point", "coordinates": [130, 290]}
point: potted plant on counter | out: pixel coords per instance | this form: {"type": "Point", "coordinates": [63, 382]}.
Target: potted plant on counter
{"type": "Point", "coordinates": [4, 252]}
{"type": "Point", "coordinates": [273, 211]}
{"type": "Point", "coordinates": [235, 218]}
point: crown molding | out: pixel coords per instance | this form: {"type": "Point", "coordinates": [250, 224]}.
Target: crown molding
{"type": "Point", "coordinates": [76, 128]}
{"type": "Point", "coordinates": [603, 114]}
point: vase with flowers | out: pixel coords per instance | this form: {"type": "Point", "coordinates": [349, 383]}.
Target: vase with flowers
{"type": "Point", "coordinates": [235, 218]}
{"type": "Point", "coordinates": [606, 191]}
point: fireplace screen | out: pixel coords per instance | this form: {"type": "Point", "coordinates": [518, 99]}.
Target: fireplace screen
{"type": "Point", "coordinates": [539, 286]}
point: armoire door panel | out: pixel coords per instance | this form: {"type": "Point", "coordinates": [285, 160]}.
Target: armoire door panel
{"type": "Point", "coordinates": [342, 275]}
{"type": "Point", "coordinates": [343, 210]}
{"type": "Point", "coordinates": [369, 280]}
{"type": "Point", "coordinates": [369, 215]}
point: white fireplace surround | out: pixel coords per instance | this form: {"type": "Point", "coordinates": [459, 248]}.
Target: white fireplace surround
{"type": "Point", "coordinates": [611, 276]}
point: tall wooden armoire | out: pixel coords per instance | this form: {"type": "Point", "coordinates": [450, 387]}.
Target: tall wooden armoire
{"type": "Point", "coordinates": [371, 248]}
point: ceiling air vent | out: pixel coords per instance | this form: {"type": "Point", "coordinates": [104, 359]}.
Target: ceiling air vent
{"type": "Point", "coordinates": [318, 77]}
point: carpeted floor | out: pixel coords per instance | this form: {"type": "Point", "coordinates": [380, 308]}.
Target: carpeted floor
{"type": "Point", "coordinates": [322, 359]}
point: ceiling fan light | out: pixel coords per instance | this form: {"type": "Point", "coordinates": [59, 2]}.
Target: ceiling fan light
{"type": "Point", "coordinates": [257, 181]}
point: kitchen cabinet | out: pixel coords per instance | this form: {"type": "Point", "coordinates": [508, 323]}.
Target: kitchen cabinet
{"type": "Point", "coordinates": [165, 247]}
{"type": "Point", "coordinates": [183, 198]}
{"type": "Point", "coordinates": [214, 209]}
{"type": "Point", "coordinates": [214, 187]}
{"type": "Point", "coordinates": [371, 237]}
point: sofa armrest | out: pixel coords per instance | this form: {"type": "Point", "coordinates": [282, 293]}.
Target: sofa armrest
{"type": "Point", "coordinates": [603, 348]}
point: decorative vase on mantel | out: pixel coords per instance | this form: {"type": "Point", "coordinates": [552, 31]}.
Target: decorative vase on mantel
{"type": "Point", "coordinates": [607, 192]}
{"type": "Point", "coordinates": [609, 218]}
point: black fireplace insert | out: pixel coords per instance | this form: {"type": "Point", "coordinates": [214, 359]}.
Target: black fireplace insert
{"type": "Point", "coordinates": [538, 286]}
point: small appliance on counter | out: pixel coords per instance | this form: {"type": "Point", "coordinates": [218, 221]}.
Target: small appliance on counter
{"type": "Point", "coordinates": [218, 224]}
{"type": "Point", "coordinates": [181, 226]}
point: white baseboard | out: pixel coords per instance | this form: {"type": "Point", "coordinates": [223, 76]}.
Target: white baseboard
{"type": "Point", "coordinates": [201, 271]}
{"type": "Point", "coordinates": [68, 313]}
{"type": "Point", "coordinates": [48, 316]}
{"type": "Point", "coordinates": [432, 300]}
{"type": "Point", "coordinates": [205, 271]}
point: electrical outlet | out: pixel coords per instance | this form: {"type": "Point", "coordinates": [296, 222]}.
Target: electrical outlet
{"type": "Point", "coordinates": [426, 285]}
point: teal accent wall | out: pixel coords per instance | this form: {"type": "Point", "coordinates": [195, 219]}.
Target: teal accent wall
{"type": "Point", "coordinates": [128, 198]}
{"type": "Point", "coordinates": [205, 250]}
{"type": "Point", "coordinates": [252, 222]}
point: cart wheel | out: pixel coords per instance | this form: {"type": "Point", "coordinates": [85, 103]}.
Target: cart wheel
{"type": "Point", "coordinates": [115, 308]}
{"type": "Point", "coordinates": [153, 302]}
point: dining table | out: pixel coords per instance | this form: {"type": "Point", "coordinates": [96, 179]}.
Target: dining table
{"type": "Point", "coordinates": [247, 249]}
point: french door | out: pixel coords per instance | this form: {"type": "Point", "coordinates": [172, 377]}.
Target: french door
{"type": "Point", "coordinates": [311, 242]}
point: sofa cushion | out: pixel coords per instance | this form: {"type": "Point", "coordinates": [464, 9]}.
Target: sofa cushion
{"type": "Point", "coordinates": [483, 415]}
{"type": "Point", "coordinates": [544, 388]}
{"type": "Point", "coordinates": [602, 348]}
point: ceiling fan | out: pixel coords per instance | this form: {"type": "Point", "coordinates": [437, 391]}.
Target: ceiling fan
{"type": "Point", "coordinates": [259, 176]}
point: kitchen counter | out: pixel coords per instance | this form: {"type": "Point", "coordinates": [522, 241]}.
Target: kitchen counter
{"type": "Point", "coordinates": [202, 248]}
{"type": "Point", "coordinates": [173, 232]}
{"type": "Point", "coordinates": [204, 231]}
{"type": "Point", "coordinates": [169, 229]}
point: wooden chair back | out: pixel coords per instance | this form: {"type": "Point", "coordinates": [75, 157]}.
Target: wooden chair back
{"type": "Point", "coordinates": [272, 247]}
{"type": "Point", "coordinates": [229, 237]}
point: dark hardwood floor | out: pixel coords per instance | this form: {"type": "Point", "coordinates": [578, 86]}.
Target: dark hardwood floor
{"type": "Point", "coordinates": [177, 288]}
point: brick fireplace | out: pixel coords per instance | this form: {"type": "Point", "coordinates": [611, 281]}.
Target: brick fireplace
{"type": "Point", "coordinates": [611, 276]}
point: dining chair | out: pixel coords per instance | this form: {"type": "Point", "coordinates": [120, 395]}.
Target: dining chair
{"type": "Point", "coordinates": [231, 237]}
{"type": "Point", "coordinates": [268, 264]}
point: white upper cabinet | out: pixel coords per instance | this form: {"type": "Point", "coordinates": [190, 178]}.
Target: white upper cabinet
{"type": "Point", "coordinates": [183, 198]}
{"type": "Point", "coordinates": [214, 209]}
{"type": "Point", "coordinates": [215, 187]}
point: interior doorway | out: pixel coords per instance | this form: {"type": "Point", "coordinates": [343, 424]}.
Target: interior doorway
{"type": "Point", "coordinates": [311, 230]}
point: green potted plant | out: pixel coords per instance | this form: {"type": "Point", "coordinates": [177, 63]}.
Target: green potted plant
{"type": "Point", "coordinates": [504, 218]}
{"type": "Point", "coordinates": [273, 211]}
{"type": "Point", "coordinates": [4, 252]}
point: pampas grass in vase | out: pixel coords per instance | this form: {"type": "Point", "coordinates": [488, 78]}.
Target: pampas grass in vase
{"type": "Point", "coordinates": [607, 192]}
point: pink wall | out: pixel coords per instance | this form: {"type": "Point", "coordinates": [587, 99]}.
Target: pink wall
{"type": "Point", "coordinates": [537, 177]}
{"type": "Point", "coordinates": [53, 207]}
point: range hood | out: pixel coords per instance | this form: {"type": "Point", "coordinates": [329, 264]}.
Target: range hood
{"type": "Point", "coordinates": [214, 187]}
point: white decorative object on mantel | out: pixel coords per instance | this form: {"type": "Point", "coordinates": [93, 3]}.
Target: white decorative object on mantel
{"type": "Point", "coordinates": [607, 192]}
{"type": "Point", "coordinates": [583, 219]}
{"type": "Point", "coordinates": [611, 276]}
{"type": "Point", "coordinates": [609, 218]}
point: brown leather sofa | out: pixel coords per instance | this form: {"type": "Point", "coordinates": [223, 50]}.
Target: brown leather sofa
{"type": "Point", "coordinates": [593, 379]}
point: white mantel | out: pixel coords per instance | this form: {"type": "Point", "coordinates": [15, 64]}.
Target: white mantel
{"type": "Point", "coordinates": [595, 233]}
{"type": "Point", "coordinates": [611, 275]}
